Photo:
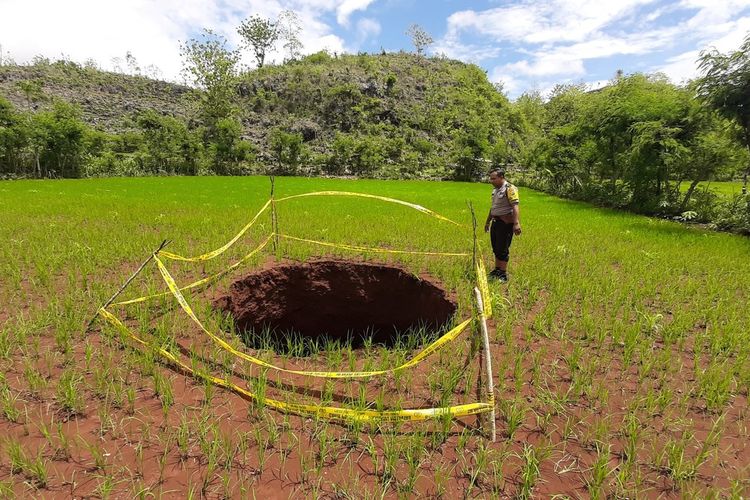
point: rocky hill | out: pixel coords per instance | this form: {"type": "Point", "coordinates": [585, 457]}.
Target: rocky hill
{"type": "Point", "coordinates": [107, 100]}
{"type": "Point", "coordinates": [388, 115]}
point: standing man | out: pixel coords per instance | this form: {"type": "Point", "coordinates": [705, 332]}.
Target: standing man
{"type": "Point", "coordinates": [505, 221]}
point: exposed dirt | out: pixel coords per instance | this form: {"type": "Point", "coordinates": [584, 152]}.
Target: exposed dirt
{"type": "Point", "coordinates": [343, 300]}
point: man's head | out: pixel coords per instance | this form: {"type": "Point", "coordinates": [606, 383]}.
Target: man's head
{"type": "Point", "coordinates": [497, 177]}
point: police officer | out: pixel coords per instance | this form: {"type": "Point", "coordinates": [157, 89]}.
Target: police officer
{"type": "Point", "coordinates": [504, 220]}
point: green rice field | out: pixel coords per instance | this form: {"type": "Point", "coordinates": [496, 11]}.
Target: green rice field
{"type": "Point", "coordinates": [620, 349]}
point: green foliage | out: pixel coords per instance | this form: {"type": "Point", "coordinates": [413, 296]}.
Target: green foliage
{"type": "Point", "coordinates": [167, 145]}
{"type": "Point", "coordinates": [639, 143]}
{"type": "Point", "coordinates": [58, 140]}
{"type": "Point", "coordinates": [288, 151]}
{"type": "Point", "coordinates": [726, 87]}
{"type": "Point", "coordinates": [227, 149]}
{"type": "Point", "coordinates": [212, 67]}
{"type": "Point", "coordinates": [631, 144]}
{"type": "Point", "coordinates": [260, 35]}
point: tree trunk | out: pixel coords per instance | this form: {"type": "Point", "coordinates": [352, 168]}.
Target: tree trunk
{"type": "Point", "coordinates": [613, 161]}
{"type": "Point", "coordinates": [689, 193]}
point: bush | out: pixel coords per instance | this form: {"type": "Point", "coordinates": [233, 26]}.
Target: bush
{"type": "Point", "coordinates": [288, 151]}
{"type": "Point", "coordinates": [734, 214]}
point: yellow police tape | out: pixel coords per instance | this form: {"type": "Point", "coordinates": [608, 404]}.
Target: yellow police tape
{"type": "Point", "coordinates": [225, 247]}
{"type": "Point", "coordinates": [218, 251]}
{"type": "Point", "coordinates": [372, 249]}
{"type": "Point", "coordinates": [203, 281]}
{"type": "Point", "coordinates": [446, 338]}
{"type": "Point", "coordinates": [374, 197]}
{"type": "Point", "coordinates": [330, 412]}
{"type": "Point", "coordinates": [484, 287]}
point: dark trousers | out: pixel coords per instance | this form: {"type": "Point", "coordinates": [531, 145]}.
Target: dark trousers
{"type": "Point", "coordinates": [501, 236]}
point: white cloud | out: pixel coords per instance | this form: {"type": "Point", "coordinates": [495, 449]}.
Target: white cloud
{"type": "Point", "coordinates": [546, 66]}
{"type": "Point", "coordinates": [348, 7]}
{"type": "Point", "coordinates": [681, 67]}
{"type": "Point", "coordinates": [542, 21]}
{"type": "Point", "coordinates": [367, 29]}
{"type": "Point", "coordinates": [465, 52]}
{"type": "Point", "coordinates": [545, 40]}
{"type": "Point", "coordinates": [684, 66]}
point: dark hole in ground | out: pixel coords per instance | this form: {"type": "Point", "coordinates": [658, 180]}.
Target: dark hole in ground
{"type": "Point", "coordinates": [330, 300]}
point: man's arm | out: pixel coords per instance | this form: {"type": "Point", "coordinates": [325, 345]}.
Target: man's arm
{"type": "Point", "coordinates": [487, 222]}
{"type": "Point", "coordinates": [516, 219]}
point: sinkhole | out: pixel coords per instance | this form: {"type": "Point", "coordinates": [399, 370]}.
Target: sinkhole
{"type": "Point", "coordinates": [293, 305]}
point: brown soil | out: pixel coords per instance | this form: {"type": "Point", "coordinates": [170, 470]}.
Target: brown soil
{"type": "Point", "coordinates": [342, 300]}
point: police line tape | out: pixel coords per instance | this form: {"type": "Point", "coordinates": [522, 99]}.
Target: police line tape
{"type": "Point", "coordinates": [226, 246]}
{"type": "Point", "coordinates": [437, 344]}
{"type": "Point", "coordinates": [484, 287]}
{"type": "Point", "coordinates": [264, 243]}
{"type": "Point", "coordinates": [420, 208]}
{"type": "Point", "coordinates": [306, 410]}
{"type": "Point", "coordinates": [203, 281]}
{"type": "Point", "coordinates": [357, 248]}
{"type": "Point", "coordinates": [221, 250]}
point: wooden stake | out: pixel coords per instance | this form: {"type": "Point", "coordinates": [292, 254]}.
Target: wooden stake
{"type": "Point", "coordinates": [125, 285]}
{"type": "Point", "coordinates": [487, 361]}
{"type": "Point", "coordinates": [474, 227]}
{"type": "Point", "coordinates": [274, 220]}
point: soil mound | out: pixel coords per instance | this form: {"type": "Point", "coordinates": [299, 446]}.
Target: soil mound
{"type": "Point", "coordinates": [340, 300]}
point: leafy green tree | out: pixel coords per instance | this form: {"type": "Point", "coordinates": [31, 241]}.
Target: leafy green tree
{"type": "Point", "coordinates": [32, 90]}
{"type": "Point", "coordinates": [213, 68]}
{"type": "Point", "coordinates": [726, 87]}
{"type": "Point", "coordinates": [288, 151]}
{"type": "Point", "coordinates": [470, 145]}
{"type": "Point", "coordinates": [228, 149]}
{"type": "Point", "coordinates": [13, 139]}
{"type": "Point", "coordinates": [167, 144]}
{"type": "Point", "coordinates": [59, 139]}
{"type": "Point", "coordinates": [260, 35]}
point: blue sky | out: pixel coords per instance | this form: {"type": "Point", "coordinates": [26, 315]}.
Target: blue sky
{"type": "Point", "coordinates": [525, 45]}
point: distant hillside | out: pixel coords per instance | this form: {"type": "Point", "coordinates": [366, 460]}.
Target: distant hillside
{"type": "Point", "coordinates": [106, 99]}
{"type": "Point", "coordinates": [423, 110]}
{"type": "Point", "coordinates": [388, 115]}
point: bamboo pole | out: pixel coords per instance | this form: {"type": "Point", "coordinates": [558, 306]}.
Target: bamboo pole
{"type": "Point", "coordinates": [474, 235]}
{"type": "Point", "coordinates": [487, 361]}
{"type": "Point", "coordinates": [125, 285]}
{"type": "Point", "coordinates": [274, 220]}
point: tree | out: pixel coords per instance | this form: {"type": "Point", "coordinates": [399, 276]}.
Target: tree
{"type": "Point", "coordinates": [419, 37]}
{"type": "Point", "coordinates": [13, 139]}
{"type": "Point", "coordinates": [726, 87]}
{"type": "Point", "coordinates": [59, 137]}
{"type": "Point", "coordinates": [290, 27]}
{"type": "Point", "coordinates": [228, 149]}
{"type": "Point", "coordinates": [212, 67]}
{"type": "Point", "coordinates": [288, 150]}
{"type": "Point", "coordinates": [32, 90]}
{"type": "Point", "coordinates": [132, 63]}
{"type": "Point", "coordinates": [165, 142]}
{"type": "Point", "coordinates": [260, 35]}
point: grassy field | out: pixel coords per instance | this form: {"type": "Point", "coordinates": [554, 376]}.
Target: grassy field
{"type": "Point", "coordinates": [720, 188]}
{"type": "Point", "coordinates": [621, 351]}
